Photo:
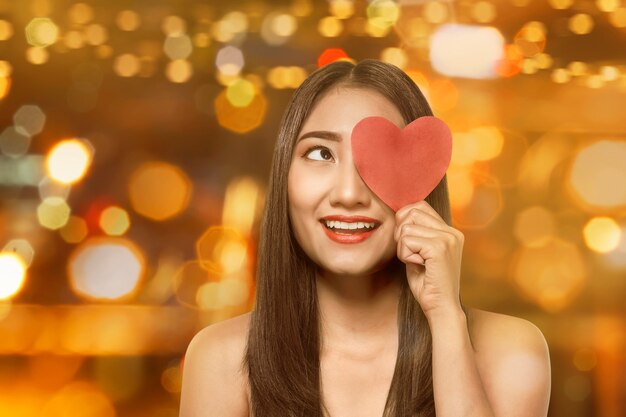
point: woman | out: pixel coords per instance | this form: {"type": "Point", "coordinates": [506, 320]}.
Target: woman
{"type": "Point", "coordinates": [370, 328]}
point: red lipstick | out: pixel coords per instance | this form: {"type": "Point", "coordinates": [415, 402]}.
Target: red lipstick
{"type": "Point", "coordinates": [349, 237]}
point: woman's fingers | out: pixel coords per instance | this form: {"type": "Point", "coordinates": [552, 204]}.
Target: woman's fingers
{"type": "Point", "coordinates": [422, 206]}
{"type": "Point", "coordinates": [423, 227]}
{"type": "Point", "coordinates": [409, 248]}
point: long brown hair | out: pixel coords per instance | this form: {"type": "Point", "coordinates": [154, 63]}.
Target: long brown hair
{"type": "Point", "coordinates": [282, 357]}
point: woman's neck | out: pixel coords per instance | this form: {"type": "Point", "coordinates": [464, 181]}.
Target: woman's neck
{"type": "Point", "coordinates": [358, 314]}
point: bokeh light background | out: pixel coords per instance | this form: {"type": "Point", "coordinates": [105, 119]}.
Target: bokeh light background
{"type": "Point", "coordinates": [135, 146]}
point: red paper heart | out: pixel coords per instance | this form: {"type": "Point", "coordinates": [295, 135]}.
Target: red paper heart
{"type": "Point", "coordinates": [401, 166]}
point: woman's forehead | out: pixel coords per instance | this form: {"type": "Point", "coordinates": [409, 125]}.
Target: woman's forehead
{"type": "Point", "coordinates": [342, 107]}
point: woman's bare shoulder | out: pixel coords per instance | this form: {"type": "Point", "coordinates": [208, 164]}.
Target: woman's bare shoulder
{"type": "Point", "coordinates": [231, 331]}
{"type": "Point", "coordinates": [513, 360]}
{"type": "Point", "coordinates": [226, 338]}
{"type": "Point", "coordinates": [501, 331]}
{"type": "Point", "coordinates": [213, 375]}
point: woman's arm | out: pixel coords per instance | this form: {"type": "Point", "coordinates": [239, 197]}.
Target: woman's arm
{"type": "Point", "coordinates": [512, 379]}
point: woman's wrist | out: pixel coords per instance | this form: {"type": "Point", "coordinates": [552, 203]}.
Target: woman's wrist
{"type": "Point", "coordinates": [446, 316]}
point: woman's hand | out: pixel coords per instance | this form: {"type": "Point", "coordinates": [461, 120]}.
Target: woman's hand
{"type": "Point", "coordinates": [432, 253]}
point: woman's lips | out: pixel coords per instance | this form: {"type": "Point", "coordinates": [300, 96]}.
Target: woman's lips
{"type": "Point", "coordinates": [352, 236]}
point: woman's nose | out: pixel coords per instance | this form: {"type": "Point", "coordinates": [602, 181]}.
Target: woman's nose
{"type": "Point", "coordinates": [349, 189]}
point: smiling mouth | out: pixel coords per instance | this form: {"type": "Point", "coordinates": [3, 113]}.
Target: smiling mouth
{"type": "Point", "coordinates": [345, 228]}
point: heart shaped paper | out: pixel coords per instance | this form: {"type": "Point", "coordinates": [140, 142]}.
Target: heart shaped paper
{"type": "Point", "coordinates": [401, 166]}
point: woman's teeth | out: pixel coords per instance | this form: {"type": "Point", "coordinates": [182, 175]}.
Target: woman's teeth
{"type": "Point", "coordinates": [345, 227]}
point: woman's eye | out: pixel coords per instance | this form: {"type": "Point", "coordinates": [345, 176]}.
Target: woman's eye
{"type": "Point", "coordinates": [324, 154]}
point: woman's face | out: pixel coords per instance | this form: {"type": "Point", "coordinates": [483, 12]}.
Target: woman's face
{"type": "Point", "coordinates": [323, 181]}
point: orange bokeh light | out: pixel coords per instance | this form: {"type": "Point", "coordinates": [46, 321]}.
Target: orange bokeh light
{"type": "Point", "coordinates": [222, 250]}
{"type": "Point", "coordinates": [159, 190]}
{"type": "Point", "coordinates": [240, 119]}
{"type": "Point", "coordinates": [511, 64]}
{"type": "Point", "coordinates": [331, 55]}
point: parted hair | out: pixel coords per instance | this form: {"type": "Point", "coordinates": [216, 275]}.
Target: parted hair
{"type": "Point", "coordinates": [282, 358]}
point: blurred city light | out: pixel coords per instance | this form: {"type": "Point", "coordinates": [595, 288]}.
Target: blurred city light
{"type": "Point", "coordinates": [6, 30]}
{"type": "Point", "coordinates": [159, 190]}
{"type": "Point", "coordinates": [241, 202]}
{"type": "Point", "coordinates": [382, 13]}
{"type": "Point", "coordinates": [278, 27]}
{"type": "Point", "coordinates": [616, 258]}
{"type": "Point", "coordinates": [331, 55]}
{"type": "Point", "coordinates": [443, 94]}
{"type": "Point", "coordinates": [485, 204]}
{"type": "Point", "coordinates": [460, 180]}
{"type": "Point", "coordinates": [14, 142]}
{"type": "Point", "coordinates": [174, 25]}
{"type": "Point", "coordinates": [75, 230]}
{"type": "Point", "coordinates": [221, 250]}
{"type": "Point", "coordinates": [531, 39]}
{"type": "Point", "coordinates": [37, 55]}
{"type": "Point", "coordinates": [200, 289]}
{"type": "Point", "coordinates": [51, 188]}
{"type": "Point", "coordinates": [534, 226]}
{"type": "Point", "coordinates": [21, 248]}
{"type": "Point", "coordinates": [231, 28]}
{"type": "Point", "coordinates": [581, 23]}
{"type": "Point", "coordinates": [74, 39]}
{"type": "Point", "coordinates": [5, 84]}
{"type": "Point", "coordinates": [29, 120]}
{"type": "Point", "coordinates": [126, 65]}
{"type": "Point", "coordinates": [171, 379]}
{"type": "Point", "coordinates": [484, 11]}
{"type": "Point", "coordinates": [76, 397]}
{"type": "Point", "coordinates": [341, 9]}
{"type": "Point", "coordinates": [128, 20]}
{"type": "Point", "coordinates": [68, 331]}
{"type": "Point", "coordinates": [189, 278]}
{"type": "Point", "coordinates": [26, 170]}
{"type": "Point", "coordinates": [479, 144]}
{"type": "Point", "coordinates": [240, 119]}
{"type": "Point", "coordinates": [286, 77]}
{"type": "Point", "coordinates": [13, 273]}
{"type": "Point", "coordinates": [240, 93]}
{"type": "Point", "coordinates": [330, 26]}
{"type": "Point", "coordinates": [80, 13]}
{"type": "Point", "coordinates": [179, 71]}
{"type": "Point", "coordinates": [602, 234]}
{"type": "Point", "coordinates": [41, 31]}
{"type": "Point", "coordinates": [53, 212]}
{"type": "Point", "coordinates": [69, 160]}
{"type": "Point", "coordinates": [177, 46]}
{"type": "Point", "coordinates": [96, 34]}
{"type": "Point", "coordinates": [114, 221]}
{"type": "Point", "coordinates": [217, 295]}
{"type": "Point", "coordinates": [466, 51]}
{"type": "Point", "coordinates": [5, 69]}
{"type": "Point", "coordinates": [593, 173]}
{"type": "Point", "coordinates": [395, 56]}
{"type": "Point", "coordinates": [551, 275]}
{"type": "Point", "coordinates": [106, 269]}
{"type": "Point", "coordinates": [229, 60]}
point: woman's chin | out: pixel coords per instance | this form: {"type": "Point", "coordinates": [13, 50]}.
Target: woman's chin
{"type": "Point", "coordinates": [350, 271]}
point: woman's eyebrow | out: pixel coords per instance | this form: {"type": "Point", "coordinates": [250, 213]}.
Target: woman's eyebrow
{"type": "Point", "coordinates": [322, 134]}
